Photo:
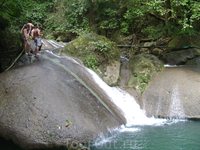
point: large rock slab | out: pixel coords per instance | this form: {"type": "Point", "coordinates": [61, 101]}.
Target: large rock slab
{"type": "Point", "coordinates": [174, 92]}
{"type": "Point", "coordinates": [52, 102]}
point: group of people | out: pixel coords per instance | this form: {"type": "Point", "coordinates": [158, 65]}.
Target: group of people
{"type": "Point", "coordinates": [30, 31]}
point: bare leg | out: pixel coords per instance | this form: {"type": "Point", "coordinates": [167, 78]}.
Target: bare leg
{"type": "Point", "coordinates": [36, 50]}
{"type": "Point", "coordinates": [29, 46]}
{"type": "Point", "coordinates": [25, 46]}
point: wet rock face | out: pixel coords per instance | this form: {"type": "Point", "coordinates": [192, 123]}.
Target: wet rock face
{"type": "Point", "coordinates": [51, 103]}
{"type": "Point", "coordinates": [174, 93]}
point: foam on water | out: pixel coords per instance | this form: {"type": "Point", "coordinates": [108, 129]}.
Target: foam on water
{"type": "Point", "coordinates": [132, 129]}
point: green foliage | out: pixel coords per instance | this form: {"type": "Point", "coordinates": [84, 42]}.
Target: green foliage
{"type": "Point", "coordinates": [154, 32]}
{"type": "Point", "coordinates": [91, 62]}
{"type": "Point", "coordinates": [50, 134]}
{"type": "Point", "coordinates": [38, 14]}
{"type": "Point", "coordinates": [128, 16]}
{"type": "Point", "coordinates": [133, 51]}
{"type": "Point", "coordinates": [142, 87]}
{"type": "Point", "coordinates": [142, 79]}
{"type": "Point", "coordinates": [104, 48]}
{"type": "Point", "coordinates": [108, 17]}
{"type": "Point", "coordinates": [68, 121]}
{"type": "Point", "coordinates": [68, 15]}
{"type": "Point", "coordinates": [19, 12]}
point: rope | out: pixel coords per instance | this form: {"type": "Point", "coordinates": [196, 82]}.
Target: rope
{"type": "Point", "coordinates": [14, 61]}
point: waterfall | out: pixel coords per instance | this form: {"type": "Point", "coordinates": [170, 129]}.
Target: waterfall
{"type": "Point", "coordinates": [176, 109]}
{"type": "Point", "coordinates": [123, 100]}
{"type": "Point", "coordinates": [126, 103]}
{"type": "Point", "coordinates": [55, 44]}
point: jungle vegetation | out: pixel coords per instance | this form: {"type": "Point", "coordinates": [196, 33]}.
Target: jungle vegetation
{"type": "Point", "coordinates": [152, 18]}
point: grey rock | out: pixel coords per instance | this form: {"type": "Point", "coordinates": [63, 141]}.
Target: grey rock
{"type": "Point", "coordinates": [174, 93]}
{"type": "Point", "coordinates": [52, 102]}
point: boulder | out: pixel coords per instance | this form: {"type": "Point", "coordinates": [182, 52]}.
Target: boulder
{"type": "Point", "coordinates": [180, 57]}
{"type": "Point", "coordinates": [173, 93]}
{"type": "Point", "coordinates": [53, 102]}
{"type": "Point", "coordinates": [142, 69]}
{"type": "Point", "coordinates": [98, 53]}
{"type": "Point", "coordinates": [194, 62]}
{"type": "Point", "coordinates": [183, 48]}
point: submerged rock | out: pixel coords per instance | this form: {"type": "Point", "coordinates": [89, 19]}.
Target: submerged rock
{"type": "Point", "coordinates": [52, 102]}
{"type": "Point", "coordinates": [174, 93]}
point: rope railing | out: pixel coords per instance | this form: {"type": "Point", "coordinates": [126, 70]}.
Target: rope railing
{"type": "Point", "coordinates": [15, 60]}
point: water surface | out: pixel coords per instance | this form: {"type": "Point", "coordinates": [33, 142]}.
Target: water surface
{"type": "Point", "coordinates": [171, 135]}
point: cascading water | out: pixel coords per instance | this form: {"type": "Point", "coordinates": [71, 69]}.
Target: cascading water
{"type": "Point", "coordinates": [176, 109]}
{"type": "Point", "coordinates": [142, 132]}
{"type": "Point", "coordinates": [130, 109]}
{"type": "Point", "coordinates": [124, 101]}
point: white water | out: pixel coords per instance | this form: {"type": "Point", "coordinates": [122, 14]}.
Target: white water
{"type": "Point", "coordinates": [129, 107]}
{"type": "Point", "coordinates": [124, 101]}
{"type": "Point", "coordinates": [176, 108]}
{"type": "Point", "coordinates": [135, 117]}
{"type": "Point", "coordinates": [55, 44]}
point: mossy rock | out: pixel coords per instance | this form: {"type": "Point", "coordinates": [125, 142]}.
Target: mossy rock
{"type": "Point", "coordinates": [98, 53]}
{"type": "Point", "coordinates": [185, 40]}
{"type": "Point", "coordinates": [93, 50]}
{"type": "Point", "coordinates": [143, 67]}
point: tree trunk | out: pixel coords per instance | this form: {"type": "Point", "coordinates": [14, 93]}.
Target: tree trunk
{"type": "Point", "coordinates": [91, 13]}
{"type": "Point", "coordinates": [167, 14]}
